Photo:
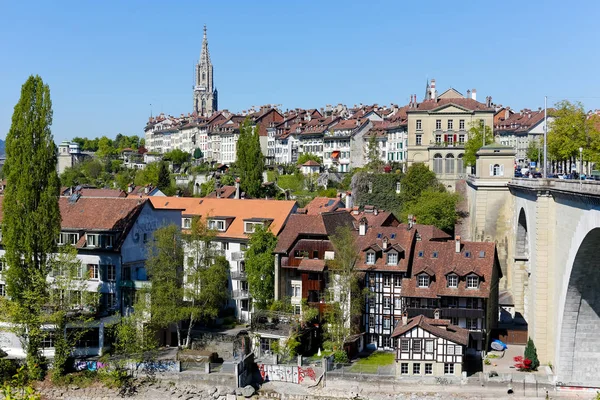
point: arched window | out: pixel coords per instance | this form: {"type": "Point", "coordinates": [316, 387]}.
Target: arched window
{"type": "Point", "coordinates": [460, 165]}
{"type": "Point", "coordinates": [497, 170]}
{"type": "Point", "coordinates": [437, 164]}
{"type": "Point", "coordinates": [450, 164]}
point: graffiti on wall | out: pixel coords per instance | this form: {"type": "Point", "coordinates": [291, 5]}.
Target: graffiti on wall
{"type": "Point", "coordinates": [89, 365]}
{"type": "Point", "coordinates": [286, 373]}
{"type": "Point", "coordinates": [158, 366]}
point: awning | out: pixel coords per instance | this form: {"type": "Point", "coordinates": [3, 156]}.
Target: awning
{"type": "Point", "coordinates": [311, 265]}
{"type": "Point", "coordinates": [335, 154]}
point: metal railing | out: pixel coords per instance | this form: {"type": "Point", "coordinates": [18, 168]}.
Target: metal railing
{"type": "Point", "coordinates": [240, 294]}
{"type": "Point", "coordinates": [362, 369]}
{"type": "Point", "coordinates": [239, 275]}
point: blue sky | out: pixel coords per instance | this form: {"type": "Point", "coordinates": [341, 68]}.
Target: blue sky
{"type": "Point", "coordinates": [107, 61]}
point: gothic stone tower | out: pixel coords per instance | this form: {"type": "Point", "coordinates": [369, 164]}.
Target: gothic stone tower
{"type": "Point", "coordinates": [205, 95]}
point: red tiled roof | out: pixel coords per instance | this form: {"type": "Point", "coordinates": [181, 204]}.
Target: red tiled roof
{"type": "Point", "coordinates": [225, 192]}
{"type": "Point", "coordinates": [311, 163]}
{"type": "Point", "coordinates": [311, 225]}
{"type": "Point", "coordinates": [437, 327]}
{"type": "Point", "coordinates": [320, 205]}
{"type": "Point", "coordinates": [96, 213]}
{"type": "Point", "coordinates": [446, 261]}
{"type": "Point", "coordinates": [398, 238]}
{"type": "Point", "coordinates": [312, 265]}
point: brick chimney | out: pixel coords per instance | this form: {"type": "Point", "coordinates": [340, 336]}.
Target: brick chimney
{"type": "Point", "coordinates": [474, 94]}
{"type": "Point", "coordinates": [457, 244]}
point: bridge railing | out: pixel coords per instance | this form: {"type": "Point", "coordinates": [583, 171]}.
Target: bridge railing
{"type": "Point", "coordinates": [568, 185]}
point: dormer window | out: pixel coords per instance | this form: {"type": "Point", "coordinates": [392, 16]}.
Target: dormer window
{"type": "Point", "coordinates": [370, 257]}
{"type": "Point", "coordinates": [452, 281]}
{"type": "Point", "coordinates": [186, 223]}
{"type": "Point", "coordinates": [423, 281]}
{"type": "Point", "coordinates": [249, 227]}
{"type": "Point", "coordinates": [392, 258]}
{"type": "Point", "coordinates": [420, 254]}
{"type": "Point", "coordinates": [217, 224]}
{"type": "Point", "coordinates": [68, 238]}
{"type": "Point", "coordinates": [472, 282]}
{"type": "Point", "coordinates": [434, 255]}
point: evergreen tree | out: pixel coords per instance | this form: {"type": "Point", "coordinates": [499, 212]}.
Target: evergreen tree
{"type": "Point", "coordinates": [250, 161]}
{"type": "Point", "coordinates": [31, 220]}
{"type": "Point", "coordinates": [531, 354]}
{"type": "Point", "coordinates": [164, 177]}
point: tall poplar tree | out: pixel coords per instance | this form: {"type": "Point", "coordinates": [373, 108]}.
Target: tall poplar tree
{"type": "Point", "coordinates": [31, 220]}
{"type": "Point", "coordinates": [250, 160]}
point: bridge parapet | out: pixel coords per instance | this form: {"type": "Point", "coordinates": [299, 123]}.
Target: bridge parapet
{"type": "Point", "coordinates": [591, 188]}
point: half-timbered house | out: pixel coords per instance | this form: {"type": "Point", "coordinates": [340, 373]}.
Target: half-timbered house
{"type": "Point", "coordinates": [429, 347]}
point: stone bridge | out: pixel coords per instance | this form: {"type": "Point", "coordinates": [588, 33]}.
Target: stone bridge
{"type": "Point", "coordinates": [548, 237]}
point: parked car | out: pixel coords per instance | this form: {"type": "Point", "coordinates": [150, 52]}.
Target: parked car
{"type": "Point", "coordinates": [536, 175]}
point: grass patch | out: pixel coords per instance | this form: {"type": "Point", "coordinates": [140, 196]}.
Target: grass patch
{"type": "Point", "coordinates": [372, 363]}
{"type": "Point", "coordinates": [82, 379]}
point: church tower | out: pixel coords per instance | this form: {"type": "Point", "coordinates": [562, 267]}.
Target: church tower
{"type": "Point", "coordinates": [205, 95]}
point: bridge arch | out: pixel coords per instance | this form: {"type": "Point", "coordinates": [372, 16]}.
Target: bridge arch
{"type": "Point", "coordinates": [522, 246]}
{"type": "Point", "coordinates": [578, 350]}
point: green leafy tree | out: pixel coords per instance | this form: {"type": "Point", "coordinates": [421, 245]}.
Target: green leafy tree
{"type": "Point", "coordinates": [374, 163]}
{"type": "Point", "coordinates": [31, 220]}
{"type": "Point", "coordinates": [533, 151]}
{"type": "Point", "coordinates": [260, 266]}
{"type": "Point", "coordinates": [435, 208]}
{"type": "Point", "coordinates": [164, 177]}
{"type": "Point", "coordinates": [206, 274]}
{"type": "Point", "coordinates": [165, 270]}
{"type": "Point", "coordinates": [345, 306]}
{"type": "Point", "coordinates": [70, 304]}
{"type": "Point", "coordinates": [417, 179]}
{"type": "Point", "coordinates": [90, 144]}
{"type": "Point", "coordinates": [571, 129]}
{"type": "Point", "coordinates": [475, 142]}
{"type": "Point", "coordinates": [148, 175]}
{"type": "Point", "coordinates": [177, 157]}
{"type": "Point", "coordinates": [198, 154]}
{"type": "Point", "coordinates": [250, 160]}
{"type": "Point", "coordinates": [106, 148]}
{"type": "Point", "coordinates": [531, 354]}
{"type": "Point", "coordinates": [304, 157]}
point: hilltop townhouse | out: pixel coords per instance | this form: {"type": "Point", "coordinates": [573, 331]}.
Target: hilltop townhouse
{"type": "Point", "coordinates": [438, 129]}
{"type": "Point", "coordinates": [111, 235]}
{"type": "Point", "coordinates": [520, 129]}
{"type": "Point", "coordinates": [234, 221]}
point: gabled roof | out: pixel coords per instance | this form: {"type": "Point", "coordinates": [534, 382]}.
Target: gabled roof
{"type": "Point", "coordinates": [101, 214]}
{"type": "Point", "coordinates": [302, 225]}
{"type": "Point", "coordinates": [467, 104]}
{"type": "Point", "coordinates": [441, 328]}
{"type": "Point", "coordinates": [481, 261]}
{"type": "Point", "coordinates": [320, 205]}
{"type": "Point", "coordinates": [396, 237]}
{"type": "Point", "coordinates": [239, 209]}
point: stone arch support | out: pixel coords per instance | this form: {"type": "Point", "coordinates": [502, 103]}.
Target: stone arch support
{"type": "Point", "coordinates": [578, 318]}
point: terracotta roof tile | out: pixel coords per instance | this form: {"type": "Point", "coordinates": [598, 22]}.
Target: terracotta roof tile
{"type": "Point", "coordinates": [241, 209]}
{"type": "Point", "coordinates": [438, 259]}
{"type": "Point", "coordinates": [320, 205]}
{"type": "Point", "coordinates": [439, 328]}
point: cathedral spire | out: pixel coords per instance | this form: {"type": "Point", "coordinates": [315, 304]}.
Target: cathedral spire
{"type": "Point", "coordinates": [204, 55]}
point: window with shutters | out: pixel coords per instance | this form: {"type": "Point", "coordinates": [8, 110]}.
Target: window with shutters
{"type": "Point", "coordinates": [416, 345]}
{"type": "Point", "coordinates": [404, 345]}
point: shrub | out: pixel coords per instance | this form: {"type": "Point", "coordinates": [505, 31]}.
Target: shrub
{"type": "Point", "coordinates": [531, 354]}
{"type": "Point", "coordinates": [340, 356]}
{"type": "Point", "coordinates": [487, 362]}
{"type": "Point", "coordinates": [8, 368]}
